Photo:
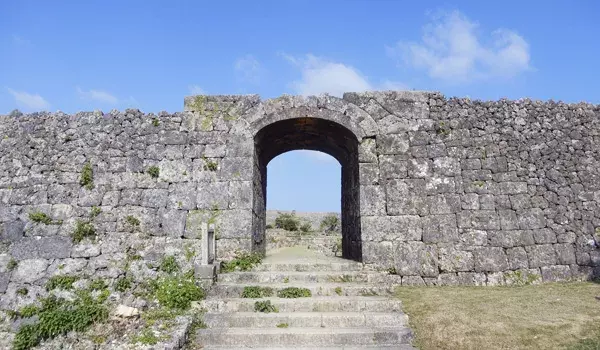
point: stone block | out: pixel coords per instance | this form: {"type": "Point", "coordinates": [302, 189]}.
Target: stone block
{"type": "Point", "coordinates": [508, 219]}
{"type": "Point", "coordinates": [154, 198]}
{"type": "Point", "coordinates": [520, 201]}
{"type": "Point", "coordinates": [474, 237]}
{"type": "Point", "coordinates": [212, 195]}
{"type": "Point", "coordinates": [436, 185]}
{"type": "Point", "coordinates": [172, 221]}
{"type": "Point", "coordinates": [556, 273]}
{"type": "Point", "coordinates": [56, 247]}
{"type": "Point", "coordinates": [393, 167]}
{"type": "Point", "coordinates": [440, 229]}
{"type": "Point", "coordinates": [478, 219]}
{"type": "Point", "coordinates": [531, 219]}
{"type": "Point", "coordinates": [367, 151]}
{"type": "Point", "coordinates": [444, 204]}
{"type": "Point", "coordinates": [452, 259]}
{"type": "Point", "coordinates": [543, 236]}
{"type": "Point", "coordinates": [12, 231]}
{"type": "Point", "coordinates": [470, 201]}
{"type": "Point", "coordinates": [490, 259]}
{"type": "Point", "coordinates": [378, 253]}
{"type": "Point", "coordinates": [522, 277]}
{"type": "Point", "coordinates": [412, 281]}
{"type": "Point", "coordinates": [182, 196]}
{"type": "Point", "coordinates": [517, 258]}
{"type": "Point", "coordinates": [565, 254]}
{"type": "Point", "coordinates": [29, 270]}
{"type": "Point", "coordinates": [416, 258]}
{"type": "Point", "coordinates": [446, 166]}
{"type": "Point", "coordinates": [93, 197]}
{"type": "Point", "coordinates": [406, 197]}
{"type": "Point", "coordinates": [393, 144]}
{"type": "Point", "coordinates": [419, 168]}
{"type": "Point", "coordinates": [487, 202]}
{"type": "Point", "coordinates": [511, 187]}
{"type": "Point", "coordinates": [372, 200]}
{"type": "Point", "coordinates": [541, 255]}
{"type": "Point", "coordinates": [391, 228]}
{"type": "Point", "coordinates": [4, 279]}
{"type": "Point", "coordinates": [509, 239]}
{"type": "Point", "coordinates": [368, 174]}
{"type": "Point", "coordinates": [85, 250]}
{"type": "Point", "coordinates": [240, 195]}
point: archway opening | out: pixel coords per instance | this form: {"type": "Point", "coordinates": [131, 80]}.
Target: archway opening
{"type": "Point", "coordinates": [317, 135]}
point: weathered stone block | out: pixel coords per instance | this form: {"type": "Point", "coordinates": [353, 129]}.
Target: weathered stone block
{"type": "Point", "coordinates": [130, 197]}
{"type": "Point", "coordinates": [172, 221]}
{"type": "Point", "coordinates": [517, 258]}
{"type": "Point", "coordinates": [522, 277]}
{"type": "Point", "coordinates": [154, 198]}
{"type": "Point", "coordinates": [565, 254]}
{"type": "Point", "coordinates": [393, 167]}
{"type": "Point", "coordinates": [30, 270]}
{"type": "Point", "coordinates": [416, 258]}
{"type": "Point", "coordinates": [556, 273]}
{"type": "Point", "coordinates": [487, 202]}
{"type": "Point", "coordinates": [391, 228]}
{"type": "Point", "coordinates": [85, 250]}
{"type": "Point", "coordinates": [12, 231]}
{"type": "Point", "coordinates": [440, 229]}
{"type": "Point", "coordinates": [470, 201]}
{"type": "Point", "coordinates": [452, 259]}
{"type": "Point", "coordinates": [372, 200]}
{"type": "Point", "coordinates": [41, 248]}
{"type": "Point", "coordinates": [240, 195]}
{"type": "Point", "coordinates": [393, 144]}
{"type": "Point", "coordinates": [490, 259]}
{"type": "Point", "coordinates": [541, 255]}
{"type": "Point", "coordinates": [446, 166]}
{"type": "Point", "coordinates": [419, 168]}
{"type": "Point", "coordinates": [543, 236]}
{"type": "Point", "coordinates": [531, 219]}
{"type": "Point", "coordinates": [474, 237]}
{"type": "Point", "coordinates": [444, 204]}
{"type": "Point", "coordinates": [368, 173]}
{"type": "Point", "coordinates": [379, 253]}
{"type": "Point", "coordinates": [412, 281]}
{"type": "Point", "coordinates": [182, 196]}
{"type": "Point", "coordinates": [509, 239]}
{"type": "Point", "coordinates": [478, 219]}
{"type": "Point", "coordinates": [508, 220]}
{"type": "Point", "coordinates": [212, 195]}
{"type": "Point", "coordinates": [406, 197]}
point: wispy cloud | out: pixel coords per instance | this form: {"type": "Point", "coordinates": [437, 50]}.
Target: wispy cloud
{"type": "Point", "coordinates": [452, 50]}
{"type": "Point", "coordinates": [322, 75]}
{"type": "Point", "coordinates": [248, 69]}
{"type": "Point", "coordinates": [28, 101]}
{"type": "Point", "coordinates": [317, 156]}
{"type": "Point", "coordinates": [98, 96]}
{"type": "Point", "coordinates": [196, 90]}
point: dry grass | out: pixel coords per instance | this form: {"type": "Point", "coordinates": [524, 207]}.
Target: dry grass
{"type": "Point", "coordinates": [548, 316]}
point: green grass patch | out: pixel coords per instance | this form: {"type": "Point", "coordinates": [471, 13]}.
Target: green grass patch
{"type": "Point", "coordinates": [153, 171]}
{"type": "Point", "coordinates": [169, 265]}
{"type": "Point", "coordinates": [82, 230]}
{"type": "Point", "coordinates": [265, 306]}
{"type": "Point", "coordinates": [242, 262]}
{"type": "Point", "coordinates": [294, 292]}
{"type": "Point", "coordinates": [40, 218]}
{"type": "Point", "coordinates": [177, 292]}
{"type": "Point", "coordinates": [63, 282]}
{"type": "Point", "coordinates": [257, 292]}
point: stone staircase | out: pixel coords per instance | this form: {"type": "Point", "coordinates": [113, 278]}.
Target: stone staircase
{"type": "Point", "coordinates": [350, 308]}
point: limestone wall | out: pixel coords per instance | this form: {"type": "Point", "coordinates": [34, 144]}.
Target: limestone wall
{"type": "Point", "coordinates": [451, 190]}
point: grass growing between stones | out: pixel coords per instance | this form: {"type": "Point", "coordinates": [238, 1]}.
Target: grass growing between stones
{"type": "Point", "coordinates": [547, 316]}
{"type": "Point", "coordinates": [242, 262]}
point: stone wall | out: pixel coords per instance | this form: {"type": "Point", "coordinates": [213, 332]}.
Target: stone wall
{"type": "Point", "coordinates": [451, 190]}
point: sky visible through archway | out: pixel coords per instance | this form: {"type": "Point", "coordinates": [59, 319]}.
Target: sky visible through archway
{"type": "Point", "coordinates": [305, 181]}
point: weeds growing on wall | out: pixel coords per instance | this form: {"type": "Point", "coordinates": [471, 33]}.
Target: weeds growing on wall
{"type": "Point", "coordinates": [63, 282]}
{"type": "Point", "coordinates": [41, 218]}
{"type": "Point", "coordinates": [257, 292]}
{"type": "Point", "coordinates": [265, 306]}
{"type": "Point", "coordinates": [169, 265]}
{"type": "Point", "coordinates": [294, 292]}
{"type": "Point", "coordinates": [87, 176]}
{"type": "Point", "coordinates": [177, 292]}
{"type": "Point", "coordinates": [153, 171]}
{"type": "Point", "coordinates": [242, 262]}
{"type": "Point", "coordinates": [82, 230]}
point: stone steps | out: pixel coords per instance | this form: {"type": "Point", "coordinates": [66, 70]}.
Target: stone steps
{"type": "Point", "coordinates": [310, 266]}
{"type": "Point", "coordinates": [305, 319]}
{"type": "Point", "coordinates": [233, 290]}
{"type": "Point", "coordinates": [342, 347]}
{"type": "Point", "coordinates": [307, 277]}
{"type": "Point", "coordinates": [312, 336]}
{"type": "Point", "coordinates": [316, 304]}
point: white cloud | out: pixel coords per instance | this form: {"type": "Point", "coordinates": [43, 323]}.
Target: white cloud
{"type": "Point", "coordinates": [317, 156]}
{"type": "Point", "coordinates": [320, 75]}
{"type": "Point", "coordinates": [29, 101]}
{"type": "Point", "coordinates": [453, 50]}
{"type": "Point", "coordinates": [196, 90]}
{"type": "Point", "coordinates": [248, 69]}
{"type": "Point", "coordinates": [98, 96]}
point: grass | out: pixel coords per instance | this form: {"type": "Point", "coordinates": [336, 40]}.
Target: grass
{"type": "Point", "coordinates": [547, 316]}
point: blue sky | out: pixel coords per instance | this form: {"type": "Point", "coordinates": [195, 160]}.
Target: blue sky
{"type": "Point", "coordinates": [84, 55]}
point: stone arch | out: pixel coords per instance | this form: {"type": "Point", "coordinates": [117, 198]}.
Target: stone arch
{"type": "Point", "coordinates": [337, 133]}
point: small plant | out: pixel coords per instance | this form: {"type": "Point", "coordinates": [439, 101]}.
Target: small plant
{"type": "Point", "coordinates": [269, 226]}
{"type": "Point", "coordinates": [12, 264]}
{"type": "Point", "coordinates": [189, 252]}
{"type": "Point", "coordinates": [153, 171]}
{"type": "Point", "coordinates": [286, 280]}
{"type": "Point", "coordinates": [287, 221]}
{"type": "Point", "coordinates": [330, 223]}
{"type": "Point", "coordinates": [59, 316]}
{"type": "Point", "coordinates": [82, 230]}
{"type": "Point", "coordinates": [294, 292]}
{"type": "Point", "coordinates": [368, 293]}
{"type": "Point", "coordinates": [132, 220]}
{"type": "Point", "coordinates": [306, 227]}
{"type": "Point", "coordinates": [443, 129]}
{"type": "Point", "coordinates": [41, 218]}
{"type": "Point", "coordinates": [87, 176]}
{"type": "Point", "coordinates": [265, 306]}
{"type": "Point", "coordinates": [147, 337]}
{"type": "Point", "coordinates": [257, 292]}
{"type": "Point", "coordinates": [343, 278]}
{"type": "Point", "coordinates": [177, 292]}
{"type": "Point", "coordinates": [155, 122]}
{"type": "Point", "coordinates": [95, 211]}
{"type": "Point", "coordinates": [283, 325]}
{"type": "Point", "coordinates": [338, 290]}
{"type": "Point", "coordinates": [479, 184]}
{"type": "Point", "coordinates": [242, 262]}
{"type": "Point", "coordinates": [97, 285]}
{"type": "Point", "coordinates": [392, 271]}
{"type": "Point", "coordinates": [169, 265]}
{"type": "Point", "coordinates": [210, 165]}
{"type": "Point", "coordinates": [63, 282]}
{"type": "Point", "coordinates": [123, 284]}
{"type": "Point", "coordinates": [22, 291]}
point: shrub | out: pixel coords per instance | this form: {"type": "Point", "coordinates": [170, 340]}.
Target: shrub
{"type": "Point", "coordinates": [123, 284]}
{"type": "Point", "coordinates": [306, 227]}
{"type": "Point", "coordinates": [294, 292]}
{"type": "Point", "coordinates": [61, 282]}
{"type": "Point", "coordinates": [169, 265]}
{"type": "Point", "coordinates": [153, 171]}
{"type": "Point", "coordinates": [257, 292]}
{"type": "Point", "coordinates": [82, 230]}
{"type": "Point", "coordinates": [155, 122]}
{"type": "Point", "coordinates": [269, 226]}
{"type": "Point", "coordinates": [242, 262]}
{"type": "Point", "coordinates": [287, 221]}
{"type": "Point", "coordinates": [177, 292]}
{"type": "Point", "coordinates": [330, 223]}
{"type": "Point", "coordinates": [40, 217]}
{"type": "Point", "coordinates": [58, 317]}
{"type": "Point", "coordinates": [87, 176]}
{"type": "Point", "coordinates": [264, 306]}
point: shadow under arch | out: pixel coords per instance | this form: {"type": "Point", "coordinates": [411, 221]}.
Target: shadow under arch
{"type": "Point", "coordinates": [317, 135]}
